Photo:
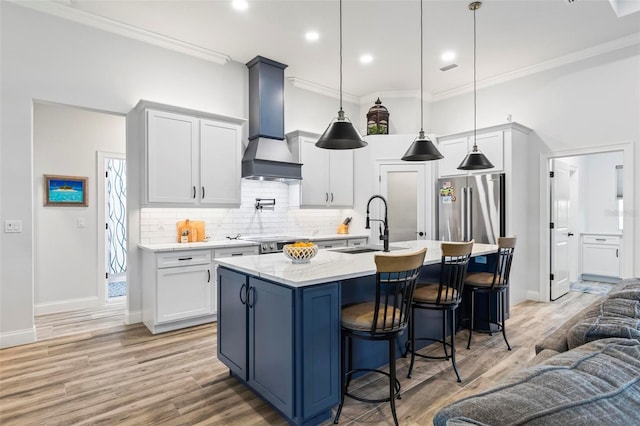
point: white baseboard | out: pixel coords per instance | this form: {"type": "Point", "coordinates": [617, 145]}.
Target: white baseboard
{"type": "Point", "coordinates": [534, 295]}
{"type": "Point", "coordinates": [132, 317]}
{"type": "Point", "coordinates": [19, 337]}
{"type": "Point", "coordinates": [65, 305]}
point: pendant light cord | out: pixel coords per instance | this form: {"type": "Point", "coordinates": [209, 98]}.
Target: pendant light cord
{"type": "Point", "coordinates": [475, 147]}
{"type": "Point", "coordinates": [340, 55]}
{"type": "Point", "coordinates": [421, 73]}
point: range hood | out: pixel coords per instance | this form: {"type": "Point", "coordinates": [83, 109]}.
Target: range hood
{"type": "Point", "coordinates": [268, 156]}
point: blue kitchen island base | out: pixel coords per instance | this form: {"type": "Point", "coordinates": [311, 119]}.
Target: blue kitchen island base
{"type": "Point", "coordinates": [279, 323]}
{"type": "Point", "coordinates": [282, 342]}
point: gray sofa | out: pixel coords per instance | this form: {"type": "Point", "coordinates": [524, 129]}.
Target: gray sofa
{"type": "Point", "coordinates": [586, 372]}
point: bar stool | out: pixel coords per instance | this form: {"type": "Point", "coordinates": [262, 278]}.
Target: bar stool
{"type": "Point", "coordinates": [384, 319]}
{"type": "Point", "coordinates": [493, 283]}
{"type": "Point", "coordinates": [444, 296]}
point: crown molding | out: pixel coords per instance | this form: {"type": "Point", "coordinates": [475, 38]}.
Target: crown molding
{"type": "Point", "coordinates": [394, 94]}
{"type": "Point", "coordinates": [600, 49]}
{"type": "Point", "coordinates": [323, 90]}
{"type": "Point", "coordinates": [67, 12]}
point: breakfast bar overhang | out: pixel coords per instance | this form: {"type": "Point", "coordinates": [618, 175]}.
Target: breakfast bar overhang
{"type": "Point", "coordinates": [279, 322]}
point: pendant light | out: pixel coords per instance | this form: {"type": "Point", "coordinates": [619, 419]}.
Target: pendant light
{"type": "Point", "coordinates": [422, 149]}
{"type": "Point", "coordinates": [475, 160]}
{"type": "Point", "coordinates": [341, 134]}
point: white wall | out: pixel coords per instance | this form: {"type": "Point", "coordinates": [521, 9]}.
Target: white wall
{"type": "Point", "coordinates": [65, 142]}
{"type": "Point", "coordinates": [597, 181]}
{"type": "Point", "coordinates": [593, 102]}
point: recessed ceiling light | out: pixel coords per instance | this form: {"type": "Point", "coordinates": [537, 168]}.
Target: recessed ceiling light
{"type": "Point", "coordinates": [448, 56]}
{"type": "Point", "coordinates": [240, 4]}
{"type": "Point", "coordinates": [366, 58]}
{"type": "Point", "coordinates": [312, 36]}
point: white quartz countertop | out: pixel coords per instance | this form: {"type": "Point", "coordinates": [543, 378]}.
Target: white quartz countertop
{"type": "Point", "coordinates": [329, 265]}
{"type": "Point", "coordinates": [195, 246]}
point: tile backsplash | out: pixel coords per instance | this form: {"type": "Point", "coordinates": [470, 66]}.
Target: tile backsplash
{"type": "Point", "coordinates": [158, 225]}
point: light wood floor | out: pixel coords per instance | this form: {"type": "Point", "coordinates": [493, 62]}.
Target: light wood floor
{"type": "Point", "coordinates": [89, 368]}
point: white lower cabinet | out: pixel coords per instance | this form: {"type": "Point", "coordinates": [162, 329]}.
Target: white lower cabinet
{"type": "Point", "coordinates": [177, 289]}
{"type": "Point", "coordinates": [601, 256]}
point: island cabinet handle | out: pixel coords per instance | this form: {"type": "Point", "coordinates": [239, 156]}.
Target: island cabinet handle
{"type": "Point", "coordinates": [236, 254]}
{"type": "Point", "coordinates": [242, 291]}
{"type": "Point", "coordinates": [208, 275]}
{"type": "Point", "coordinates": [251, 291]}
{"type": "Point", "coordinates": [185, 258]}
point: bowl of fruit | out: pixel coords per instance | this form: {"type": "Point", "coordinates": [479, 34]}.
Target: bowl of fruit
{"type": "Point", "coordinates": [300, 251]}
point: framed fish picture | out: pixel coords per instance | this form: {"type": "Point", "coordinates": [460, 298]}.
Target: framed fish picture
{"type": "Point", "coordinates": [65, 191]}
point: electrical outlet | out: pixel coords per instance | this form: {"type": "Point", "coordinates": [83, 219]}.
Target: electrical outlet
{"type": "Point", "coordinates": [82, 222]}
{"type": "Point", "coordinates": [12, 226]}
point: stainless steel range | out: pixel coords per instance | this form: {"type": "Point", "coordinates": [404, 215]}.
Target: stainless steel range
{"type": "Point", "coordinates": [271, 244]}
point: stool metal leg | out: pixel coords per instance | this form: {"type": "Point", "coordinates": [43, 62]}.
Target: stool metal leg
{"type": "Point", "coordinates": [444, 334]}
{"type": "Point", "coordinates": [504, 314]}
{"type": "Point", "coordinates": [473, 313]}
{"type": "Point", "coordinates": [392, 379]}
{"type": "Point", "coordinates": [453, 344]}
{"type": "Point", "coordinates": [412, 339]}
{"type": "Point", "coordinates": [343, 380]}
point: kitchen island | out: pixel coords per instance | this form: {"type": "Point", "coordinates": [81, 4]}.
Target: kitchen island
{"type": "Point", "coordinates": [279, 322]}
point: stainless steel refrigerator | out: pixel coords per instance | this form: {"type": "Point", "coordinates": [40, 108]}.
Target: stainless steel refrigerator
{"type": "Point", "coordinates": [471, 207]}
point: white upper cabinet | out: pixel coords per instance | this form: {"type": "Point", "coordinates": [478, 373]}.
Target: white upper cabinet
{"type": "Point", "coordinates": [220, 162]}
{"type": "Point", "coordinates": [171, 150]}
{"type": "Point", "coordinates": [454, 149]}
{"type": "Point", "coordinates": [192, 160]}
{"type": "Point", "coordinates": [327, 175]}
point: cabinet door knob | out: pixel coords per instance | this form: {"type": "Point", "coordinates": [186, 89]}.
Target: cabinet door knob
{"type": "Point", "coordinates": [420, 233]}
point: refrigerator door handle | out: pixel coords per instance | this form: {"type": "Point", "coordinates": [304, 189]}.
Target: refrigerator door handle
{"type": "Point", "coordinates": [468, 213]}
{"type": "Point", "coordinates": [463, 221]}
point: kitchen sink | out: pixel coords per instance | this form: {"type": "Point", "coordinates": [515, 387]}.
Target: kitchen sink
{"type": "Point", "coordinates": [365, 249]}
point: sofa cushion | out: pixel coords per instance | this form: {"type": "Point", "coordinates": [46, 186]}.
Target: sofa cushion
{"type": "Point", "coordinates": [596, 382]}
{"type": "Point", "coordinates": [602, 327]}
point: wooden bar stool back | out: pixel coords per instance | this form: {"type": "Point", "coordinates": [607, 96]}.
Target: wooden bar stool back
{"type": "Point", "coordinates": [444, 296]}
{"type": "Point", "coordinates": [384, 319]}
{"type": "Point", "coordinates": [493, 283]}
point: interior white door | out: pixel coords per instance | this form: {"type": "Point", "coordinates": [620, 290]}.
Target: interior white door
{"type": "Point", "coordinates": [573, 234]}
{"type": "Point", "coordinates": [559, 190]}
{"type": "Point", "coordinates": [404, 187]}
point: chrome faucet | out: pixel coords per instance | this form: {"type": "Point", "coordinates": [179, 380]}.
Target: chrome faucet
{"type": "Point", "coordinates": [384, 235]}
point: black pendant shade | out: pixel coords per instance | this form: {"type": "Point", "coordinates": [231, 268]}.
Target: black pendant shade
{"type": "Point", "coordinates": [422, 149]}
{"type": "Point", "coordinates": [341, 134]}
{"type": "Point", "coordinates": [475, 160]}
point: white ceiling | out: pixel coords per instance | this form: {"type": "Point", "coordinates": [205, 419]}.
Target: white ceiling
{"type": "Point", "coordinates": [513, 36]}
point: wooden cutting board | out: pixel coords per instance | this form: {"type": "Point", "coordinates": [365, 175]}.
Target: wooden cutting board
{"type": "Point", "coordinates": [196, 230]}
